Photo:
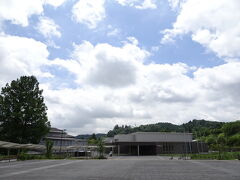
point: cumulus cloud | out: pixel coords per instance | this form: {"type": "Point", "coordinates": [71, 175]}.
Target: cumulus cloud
{"type": "Point", "coordinates": [116, 86]}
{"type": "Point", "coordinates": [161, 93]}
{"type": "Point", "coordinates": [223, 79]}
{"type": "Point", "coordinates": [214, 24]}
{"type": "Point", "coordinates": [104, 64]}
{"type": "Point", "coordinates": [144, 93]}
{"type": "Point", "coordinates": [16, 59]}
{"type": "Point", "coordinates": [48, 28]}
{"type": "Point", "coordinates": [89, 12]}
{"type": "Point", "coordinates": [18, 12]}
{"type": "Point", "coordinates": [82, 107]}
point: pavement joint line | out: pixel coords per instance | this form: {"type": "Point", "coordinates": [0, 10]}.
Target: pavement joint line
{"type": "Point", "coordinates": [36, 169]}
{"type": "Point", "coordinates": [27, 163]}
{"type": "Point", "coordinates": [215, 168]}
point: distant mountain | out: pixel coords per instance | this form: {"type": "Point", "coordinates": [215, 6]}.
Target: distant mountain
{"type": "Point", "coordinates": [195, 125]}
{"type": "Point", "coordinates": [191, 126]}
{"type": "Point", "coordinates": [87, 136]}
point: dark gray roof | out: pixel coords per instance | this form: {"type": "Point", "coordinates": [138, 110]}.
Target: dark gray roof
{"type": "Point", "coordinates": [108, 140]}
{"type": "Point", "coordinates": [154, 137]}
{"type": "Point", "coordinates": [53, 129]}
{"type": "Point", "coordinates": [56, 133]}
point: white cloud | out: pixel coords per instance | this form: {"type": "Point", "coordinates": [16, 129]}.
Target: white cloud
{"type": "Point", "coordinates": [215, 24]}
{"type": "Point", "coordinates": [92, 12]}
{"type": "Point", "coordinates": [113, 32]}
{"type": "Point", "coordinates": [139, 4]}
{"type": "Point", "coordinates": [48, 28]}
{"type": "Point", "coordinates": [220, 77]}
{"type": "Point", "coordinates": [82, 107]}
{"type": "Point", "coordinates": [104, 64]}
{"type": "Point", "coordinates": [174, 4]}
{"type": "Point", "coordinates": [118, 87]}
{"type": "Point", "coordinates": [51, 43]}
{"type": "Point", "coordinates": [21, 56]}
{"type": "Point", "coordinates": [133, 40]}
{"type": "Point", "coordinates": [18, 12]}
{"type": "Point", "coordinates": [147, 4]}
{"type": "Point", "coordinates": [116, 84]}
{"type": "Point", "coordinates": [161, 93]}
{"type": "Point", "coordinates": [89, 12]}
{"type": "Point", "coordinates": [220, 87]}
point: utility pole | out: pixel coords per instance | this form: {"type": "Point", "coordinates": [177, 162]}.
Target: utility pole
{"type": "Point", "coordinates": [185, 143]}
{"type": "Point", "coordinates": [60, 151]}
{"type": "Point", "coordinates": [197, 141]}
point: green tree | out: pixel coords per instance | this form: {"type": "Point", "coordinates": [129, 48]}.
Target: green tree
{"type": "Point", "coordinates": [100, 148]}
{"type": "Point", "coordinates": [234, 140]}
{"type": "Point", "coordinates": [49, 146]}
{"type": "Point", "coordinates": [221, 141]}
{"type": "Point", "coordinates": [231, 128]}
{"type": "Point", "coordinates": [93, 136]}
{"type": "Point", "coordinates": [211, 140]}
{"type": "Point", "coordinates": [23, 116]}
{"type": "Point", "coordinates": [93, 139]}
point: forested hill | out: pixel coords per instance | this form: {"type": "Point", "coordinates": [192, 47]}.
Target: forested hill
{"type": "Point", "coordinates": [87, 136]}
{"type": "Point", "coordinates": [195, 126]}
{"type": "Point", "coordinates": [218, 135]}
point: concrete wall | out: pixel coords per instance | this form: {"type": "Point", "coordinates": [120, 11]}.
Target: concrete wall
{"type": "Point", "coordinates": [154, 137]}
{"type": "Point", "coordinates": [124, 138]}
{"type": "Point", "coordinates": [163, 137]}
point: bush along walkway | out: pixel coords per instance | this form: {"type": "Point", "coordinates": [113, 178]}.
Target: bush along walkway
{"type": "Point", "coordinates": [218, 156]}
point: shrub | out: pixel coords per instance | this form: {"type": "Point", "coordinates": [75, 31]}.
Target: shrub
{"type": "Point", "coordinates": [49, 145]}
{"type": "Point", "coordinates": [23, 156]}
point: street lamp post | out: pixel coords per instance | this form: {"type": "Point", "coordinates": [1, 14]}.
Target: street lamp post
{"type": "Point", "coordinates": [60, 151]}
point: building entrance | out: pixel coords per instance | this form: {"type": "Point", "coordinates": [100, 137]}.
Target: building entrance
{"type": "Point", "coordinates": [147, 150]}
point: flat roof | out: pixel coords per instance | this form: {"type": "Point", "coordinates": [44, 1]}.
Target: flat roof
{"type": "Point", "coordinates": [154, 137]}
{"type": "Point", "coordinates": [10, 145]}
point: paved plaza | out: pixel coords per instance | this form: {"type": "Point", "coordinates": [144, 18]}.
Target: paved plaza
{"type": "Point", "coordinates": [122, 168]}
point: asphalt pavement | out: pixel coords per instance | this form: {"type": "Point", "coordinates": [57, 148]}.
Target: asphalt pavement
{"type": "Point", "coordinates": [122, 168]}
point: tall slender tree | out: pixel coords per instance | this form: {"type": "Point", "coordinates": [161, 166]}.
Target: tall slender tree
{"type": "Point", "coordinates": [23, 113]}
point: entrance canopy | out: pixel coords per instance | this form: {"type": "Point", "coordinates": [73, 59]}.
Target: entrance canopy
{"type": "Point", "coordinates": [10, 145]}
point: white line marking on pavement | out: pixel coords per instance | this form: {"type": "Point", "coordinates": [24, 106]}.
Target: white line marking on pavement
{"type": "Point", "coordinates": [27, 163]}
{"type": "Point", "coordinates": [36, 169]}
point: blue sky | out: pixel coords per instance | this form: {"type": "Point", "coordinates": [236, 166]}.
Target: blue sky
{"type": "Point", "coordinates": [145, 25]}
{"type": "Point", "coordinates": [108, 62]}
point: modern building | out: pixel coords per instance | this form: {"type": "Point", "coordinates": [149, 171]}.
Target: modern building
{"type": "Point", "coordinates": [61, 140]}
{"type": "Point", "coordinates": [154, 143]}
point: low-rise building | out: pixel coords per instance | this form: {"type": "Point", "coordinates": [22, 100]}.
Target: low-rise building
{"type": "Point", "coordinates": [153, 143]}
{"type": "Point", "coordinates": [63, 141]}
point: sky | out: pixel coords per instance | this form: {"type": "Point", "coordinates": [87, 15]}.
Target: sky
{"type": "Point", "coordinates": [126, 62]}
